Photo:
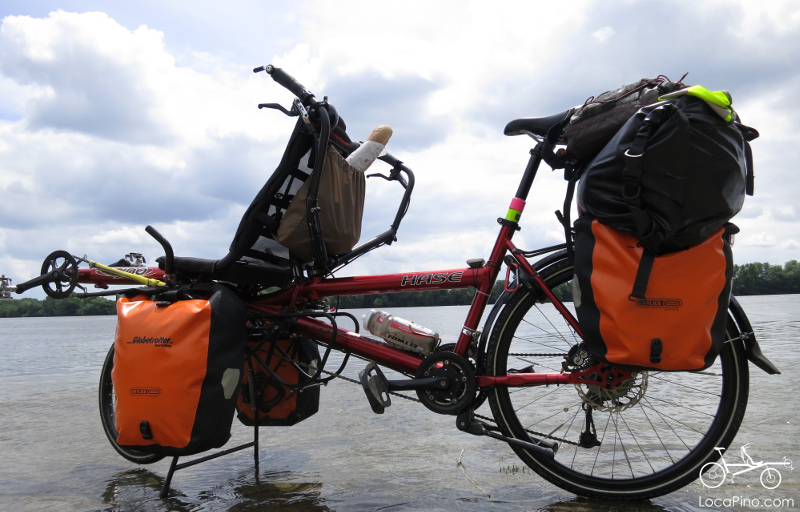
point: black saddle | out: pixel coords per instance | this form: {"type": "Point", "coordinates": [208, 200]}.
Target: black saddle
{"type": "Point", "coordinates": [536, 125]}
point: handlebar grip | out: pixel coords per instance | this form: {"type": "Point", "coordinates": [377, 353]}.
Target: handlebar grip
{"type": "Point", "coordinates": [295, 87]}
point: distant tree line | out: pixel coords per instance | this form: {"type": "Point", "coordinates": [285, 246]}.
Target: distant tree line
{"type": "Point", "coordinates": [766, 279]}
{"type": "Point", "coordinates": [748, 279]}
{"type": "Point", "coordinates": [71, 306]}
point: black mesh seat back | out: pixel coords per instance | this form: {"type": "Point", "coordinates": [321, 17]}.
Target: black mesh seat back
{"type": "Point", "coordinates": [254, 236]}
{"type": "Point", "coordinates": [254, 239]}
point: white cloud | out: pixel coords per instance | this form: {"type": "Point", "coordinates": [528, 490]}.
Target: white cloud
{"type": "Point", "coordinates": [603, 34]}
{"type": "Point", "coordinates": [104, 129]}
{"type": "Point", "coordinates": [759, 240]}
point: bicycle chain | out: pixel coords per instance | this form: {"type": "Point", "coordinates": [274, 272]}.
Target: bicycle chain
{"type": "Point", "coordinates": [538, 355]}
{"type": "Point", "coordinates": [479, 416]}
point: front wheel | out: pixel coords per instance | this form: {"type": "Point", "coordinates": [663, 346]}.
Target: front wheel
{"type": "Point", "coordinates": [649, 436]}
{"type": "Point", "coordinates": [108, 402]}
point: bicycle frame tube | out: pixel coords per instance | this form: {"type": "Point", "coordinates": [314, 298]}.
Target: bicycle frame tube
{"type": "Point", "coordinates": [98, 276]}
{"type": "Point", "coordinates": [482, 279]}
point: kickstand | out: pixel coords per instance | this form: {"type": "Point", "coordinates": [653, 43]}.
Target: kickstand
{"type": "Point", "coordinates": [174, 466]}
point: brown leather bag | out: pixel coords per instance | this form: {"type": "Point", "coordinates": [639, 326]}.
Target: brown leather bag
{"type": "Point", "coordinates": [341, 201]}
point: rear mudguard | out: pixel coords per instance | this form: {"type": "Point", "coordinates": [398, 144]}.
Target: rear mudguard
{"type": "Point", "coordinates": [752, 349]}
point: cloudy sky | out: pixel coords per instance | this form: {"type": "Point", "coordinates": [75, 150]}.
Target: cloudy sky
{"type": "Point", "coordinates": [115, 115]}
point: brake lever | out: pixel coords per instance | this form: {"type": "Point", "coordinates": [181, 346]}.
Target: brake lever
{"type": "Point", "coordinates": [394, 175]}
{"type": "Point", "coordinates": [276, 106]}
{"type": "Point", "coordinates": [379, 175]}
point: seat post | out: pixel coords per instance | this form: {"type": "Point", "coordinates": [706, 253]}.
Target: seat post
{"type": "Point", "coordinates": [530, 171]}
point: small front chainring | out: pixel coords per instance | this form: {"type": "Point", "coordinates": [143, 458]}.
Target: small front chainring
{"type": "Point", "coordinates": [459, 394]}
{"type": "Point", "coordinates": [64, 271]}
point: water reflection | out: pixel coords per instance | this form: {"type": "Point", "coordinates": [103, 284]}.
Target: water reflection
{"type": "Point", "coordinates": [139, 490]}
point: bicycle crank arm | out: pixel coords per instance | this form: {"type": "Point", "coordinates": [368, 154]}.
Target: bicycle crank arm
{"type": "Point", "coordinates": [50, 277]}
{"type": "Point", "coordinates": [415, 384]}
{"type": "Point", "coordinates": [466, 423]}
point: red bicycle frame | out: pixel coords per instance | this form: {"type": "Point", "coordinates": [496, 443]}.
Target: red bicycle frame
{"type": "Point", "coordinates": [482, 278]}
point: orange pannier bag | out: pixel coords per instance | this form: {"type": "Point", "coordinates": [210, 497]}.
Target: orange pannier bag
{"type": "Point", "coordinates": [279, 405]}
{"type": "Point", "coordinates": [643, 311]}
{"type": "Point", "coordinates": [177, 370]}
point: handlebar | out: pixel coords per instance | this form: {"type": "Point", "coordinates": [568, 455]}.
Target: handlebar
{"type": "Point", "coordinates": [289, 82]}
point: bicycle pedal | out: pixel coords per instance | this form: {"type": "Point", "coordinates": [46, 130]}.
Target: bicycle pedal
{"type": "Point", "coordinates": [375, 387]}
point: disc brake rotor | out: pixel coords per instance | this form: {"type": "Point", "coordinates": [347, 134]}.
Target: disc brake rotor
{"type": "Point", "coordinates": [622, 396]}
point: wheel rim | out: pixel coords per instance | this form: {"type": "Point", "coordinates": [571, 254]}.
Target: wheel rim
{"type": "Point", "coordinates": [108, 399]}
{"type": "Point", "coordinates": [659, 443]}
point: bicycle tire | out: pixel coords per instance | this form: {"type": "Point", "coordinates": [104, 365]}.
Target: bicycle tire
{"type": "Point", "coordinates": [107, 402]}
{"type": "Point", "coordinates": [709, 417]}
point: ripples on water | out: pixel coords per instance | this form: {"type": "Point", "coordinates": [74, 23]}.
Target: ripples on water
{"type": "Point", "coordinates": [54, 454]}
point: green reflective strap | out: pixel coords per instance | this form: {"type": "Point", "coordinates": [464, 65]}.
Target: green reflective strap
{"type": "Point", "coordinates": [720, 98]}
{"type": "Point", "coordinates": [720, 101]}
{"type": "Point", "coordinates": [513, 215]}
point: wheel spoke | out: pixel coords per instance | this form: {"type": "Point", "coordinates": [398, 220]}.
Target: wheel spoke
{"type": "Point", "coordinates": [684, 385]}
{"type": "Point", "coordinates": [658, 423]}
{"type": "Point", "coordinates": [601, 444]}
{"type": "Point", "coordinates": [680, 405]}
{"type": "Point", "coordinates": [637, 444]}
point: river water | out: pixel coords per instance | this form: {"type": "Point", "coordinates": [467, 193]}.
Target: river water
{"type": "Point", "coordinates": [55, 456]}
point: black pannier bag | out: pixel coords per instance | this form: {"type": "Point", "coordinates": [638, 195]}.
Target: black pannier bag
{"type": "Point", "coordinates": [676, 172]}
{"type": "Point", "coordinates": [177, 370]}
{"type": "Point", "coordinates": [279, 405]}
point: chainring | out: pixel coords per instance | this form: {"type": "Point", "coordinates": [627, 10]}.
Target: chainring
{"type": "Point", "coordinates": [64, 270]}
{"type": "Point", "coordinates": [459, 394]}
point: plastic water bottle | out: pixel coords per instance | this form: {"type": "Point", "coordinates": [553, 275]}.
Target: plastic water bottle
{"type": "Point", "coordinates": [401, 332]}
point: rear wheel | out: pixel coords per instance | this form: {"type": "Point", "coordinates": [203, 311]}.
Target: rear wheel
{"type": "Point", "coordinates": [649, 436]}
{"type": "Point", "coordinates": [108, 402]}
